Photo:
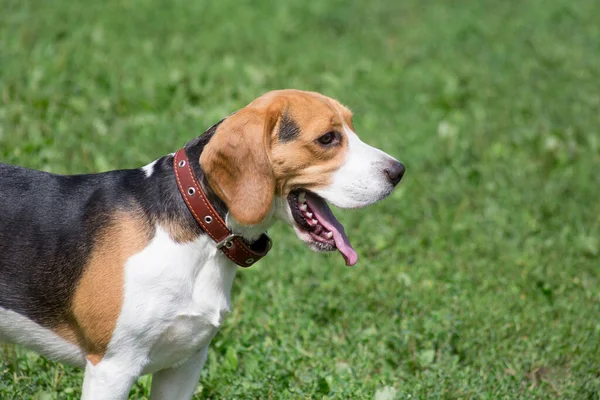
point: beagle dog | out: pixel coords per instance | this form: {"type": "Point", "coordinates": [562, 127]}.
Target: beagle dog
{"type": "Point", "coordinates": [118, 273]}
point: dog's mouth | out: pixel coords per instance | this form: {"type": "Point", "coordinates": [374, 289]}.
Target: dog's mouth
{"type": "Point", "coordinates": [317, 225]}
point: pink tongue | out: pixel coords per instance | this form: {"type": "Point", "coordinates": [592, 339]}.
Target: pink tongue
{"type": "Point", "coordinates": [324, 215]}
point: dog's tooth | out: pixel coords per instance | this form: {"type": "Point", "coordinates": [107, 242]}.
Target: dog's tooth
{"type": "Point", "coordinates": [308, 215]}
{"type": "Point", "coordinates": [314, 221]}
{"type": "Point", "coordinates": [301, 197]}
{"type": "Point", "coordinates": [303, 207]}
{"type": "Point", "coordinates": [329, 235]}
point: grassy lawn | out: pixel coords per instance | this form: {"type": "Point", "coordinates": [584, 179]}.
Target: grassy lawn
{"type": "Point", "coordinates": [478, 278]}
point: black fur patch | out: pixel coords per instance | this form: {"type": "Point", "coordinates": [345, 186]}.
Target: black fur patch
{"type": "Point", "coordinates": [289, 129]}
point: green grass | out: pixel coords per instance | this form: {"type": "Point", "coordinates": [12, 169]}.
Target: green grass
{"type": "Point", "coordinates": [478, 278]}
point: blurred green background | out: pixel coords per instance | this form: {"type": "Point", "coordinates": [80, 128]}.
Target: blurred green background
{"type": "Point", "coordinates": [478, 278]}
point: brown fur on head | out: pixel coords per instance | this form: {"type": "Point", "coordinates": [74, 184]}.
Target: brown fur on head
{"type": "Point", "coordinates": [271, 147]}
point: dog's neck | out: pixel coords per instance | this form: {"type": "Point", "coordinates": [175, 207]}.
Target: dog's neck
{"type": "Point", "coordinates": [193, 150]}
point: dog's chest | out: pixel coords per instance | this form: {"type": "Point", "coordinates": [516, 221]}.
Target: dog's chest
{"type": "Point", "coordinates": [176, 296]}
{"type": "Point", "coordinates": [187, 332]}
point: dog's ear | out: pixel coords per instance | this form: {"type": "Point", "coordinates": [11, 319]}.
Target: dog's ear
{"type": "Point", "coordinates": [237, 165]}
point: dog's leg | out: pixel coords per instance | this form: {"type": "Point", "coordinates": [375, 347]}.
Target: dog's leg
{"type": "Point", "coordinates": [107, 380]}
{"type": "Point", "coordinates": [179, 382]}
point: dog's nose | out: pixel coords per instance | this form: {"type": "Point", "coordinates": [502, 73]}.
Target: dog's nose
{"type": "Point", "coordinates": [394, 172]}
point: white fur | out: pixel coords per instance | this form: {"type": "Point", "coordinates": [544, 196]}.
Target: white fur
{"type": "Point", "coordinates": [175, 299]}
{"type": "Point", "coordinates": [108, 380]}
{"type": "Point", "coordinates": [361, 179]}
{"type": "Point", "coordinates": [149, 169]}
{"type": "Point", "coordinates": [176, 296]}
{"type": "Point", "coordinates": [179, 382]}
{"type": "Point", "coordinates": [17, 329]}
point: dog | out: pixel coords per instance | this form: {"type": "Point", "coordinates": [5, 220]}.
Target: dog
{"type": "Point", "coordinates": [129, 272]}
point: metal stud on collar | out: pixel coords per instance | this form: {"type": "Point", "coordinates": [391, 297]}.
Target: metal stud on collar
{"type": "Point", "coordinates": [191, 191]}
{"type": "Point", "coordinates": [208, 219]}
{"type": "Point", "coordinates": [181, 164]}
{"type": "Point", "coordinates": [249, 261]}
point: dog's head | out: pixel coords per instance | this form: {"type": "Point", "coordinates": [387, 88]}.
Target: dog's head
{"type": "Point", "coordinates": [286, 155]}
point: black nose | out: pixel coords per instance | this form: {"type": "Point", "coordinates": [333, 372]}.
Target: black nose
{"type": "Point", "coordinates": [394, 172]}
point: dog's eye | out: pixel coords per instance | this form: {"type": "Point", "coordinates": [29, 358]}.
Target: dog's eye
{"type": "Point", "coordinates": [328, 138]}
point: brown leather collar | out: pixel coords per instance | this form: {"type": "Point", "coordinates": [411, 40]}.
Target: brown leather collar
{"type": "Point", "coordinates": [204, 213]}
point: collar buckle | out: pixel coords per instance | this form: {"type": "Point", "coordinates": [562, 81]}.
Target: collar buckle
{"type": "Point", "coordinates": [228, 241]}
